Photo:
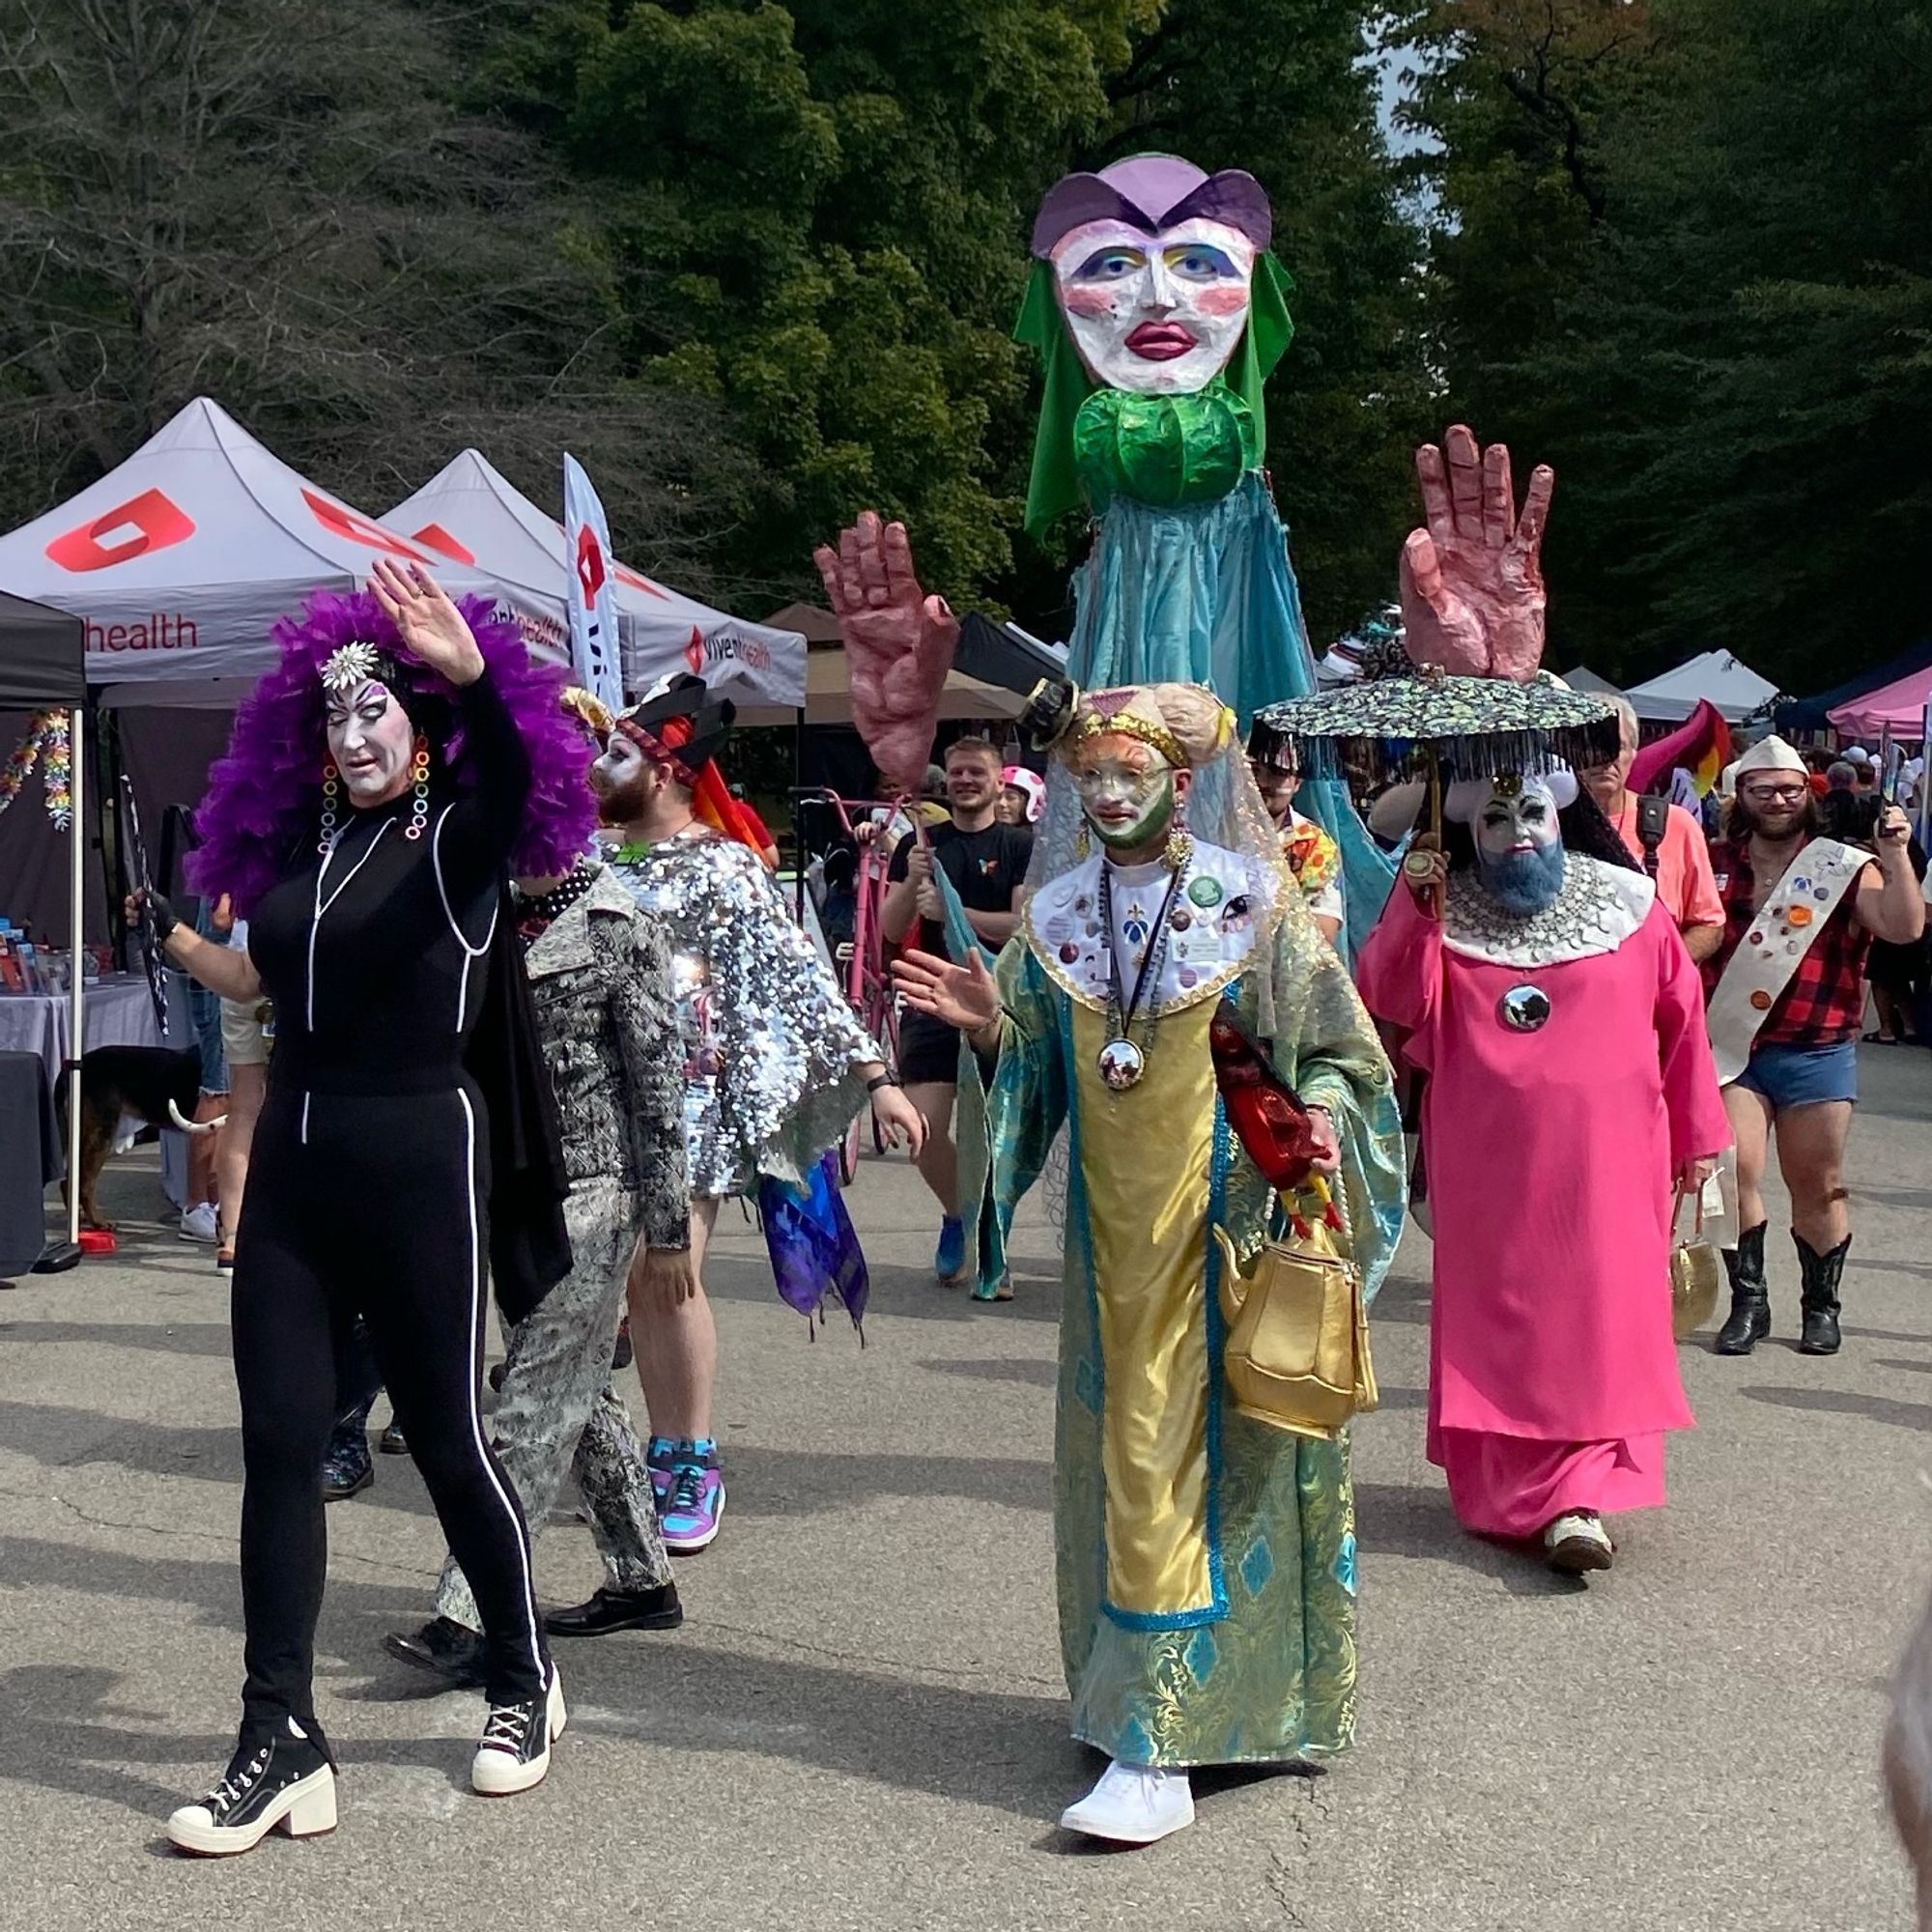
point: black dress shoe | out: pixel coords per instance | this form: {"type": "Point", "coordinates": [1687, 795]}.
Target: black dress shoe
{"type": "Point", "coordinates": [610, 1611]}
{"type": "Point", "coordinates": [393, 1442]}
{"type": "Point", "coordinates": [443, 1646]}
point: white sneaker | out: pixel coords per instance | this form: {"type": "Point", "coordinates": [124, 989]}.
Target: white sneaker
{"type": "Point", "coordinates": [1576, 1543]}
{"type": "Point", "coordinates": [1133, 1805]}
{"type": "Point", "coordinates": [199, 1224]}
{"type": "Point", "coordinates": [514, 1754]}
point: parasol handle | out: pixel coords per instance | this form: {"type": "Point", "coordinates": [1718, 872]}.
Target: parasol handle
{"type": "Point", "coordinates": [1441, 888]}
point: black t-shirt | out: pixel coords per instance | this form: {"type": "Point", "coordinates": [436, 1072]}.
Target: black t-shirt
{"type": "Point", "coordinates": [986, 868]}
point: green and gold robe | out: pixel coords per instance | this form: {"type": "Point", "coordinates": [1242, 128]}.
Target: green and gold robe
{"type": "Point", "coordinates": [1206, 1562]}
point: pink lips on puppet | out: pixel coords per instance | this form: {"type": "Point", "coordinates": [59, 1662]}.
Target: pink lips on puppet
{"type": "Point", "coordinates": [1160, 341]}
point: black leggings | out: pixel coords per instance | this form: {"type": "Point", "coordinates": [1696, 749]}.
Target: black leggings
{"type": "Point", "coordinates": [371, 1206]}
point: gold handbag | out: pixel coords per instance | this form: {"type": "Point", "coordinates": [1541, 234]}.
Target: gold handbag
{"type": "Point", "coordinates": [1696, 1274]}
{"type": "Point", "coordinates": [1296, 1355]}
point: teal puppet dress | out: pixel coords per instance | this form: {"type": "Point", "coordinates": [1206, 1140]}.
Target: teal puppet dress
{"type": "Point", "coordinates": [1189, 578]}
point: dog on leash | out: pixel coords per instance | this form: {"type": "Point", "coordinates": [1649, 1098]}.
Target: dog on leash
{"type": "Point", "coordinates": [158, 1086]}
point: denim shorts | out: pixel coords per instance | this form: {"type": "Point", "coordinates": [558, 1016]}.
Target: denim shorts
{"type": "Point", "coordinates": [1798, 1076]}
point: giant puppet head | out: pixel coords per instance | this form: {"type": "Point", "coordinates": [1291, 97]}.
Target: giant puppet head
{"type": "Point", "coordinates": [1153, 284]}
{"type": "Point", "coordinates": [1152, 264]}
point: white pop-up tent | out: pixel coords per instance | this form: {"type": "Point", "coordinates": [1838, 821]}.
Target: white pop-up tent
{"type": "Point", "coordinates": [1732, 686]}
{"type": "Point", "coordinates": [1583, 678]}
{"type": "Point", "coordinates": [470, 516]}
{"type": "Point", "coordinates": [179, 561]}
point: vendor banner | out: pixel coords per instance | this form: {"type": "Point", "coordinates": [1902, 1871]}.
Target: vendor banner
{"type": "Point", "coordinates": [595, 654]}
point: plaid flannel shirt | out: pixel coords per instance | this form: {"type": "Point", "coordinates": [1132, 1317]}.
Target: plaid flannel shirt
{"type": "Point", "coordinates": [1824, 1002]}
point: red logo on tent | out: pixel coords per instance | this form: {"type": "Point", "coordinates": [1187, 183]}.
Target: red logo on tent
{"type": "Point", "coordinates": [694, 652]}
{"type": "Point", "coordinates": [590, 574]}
{"type": "Point", "coordinates": [148, 521]}
{"type": "Point", "coordinates": [345, 523]}
{"type": "Point", "coordinates": [443, 544]}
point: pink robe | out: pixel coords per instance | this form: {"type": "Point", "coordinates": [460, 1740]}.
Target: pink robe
{"type": "Point", "coordinates": [1553, 1370]}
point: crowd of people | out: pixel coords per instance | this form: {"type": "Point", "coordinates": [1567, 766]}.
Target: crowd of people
{"type": "Point", "coordinates": [527, 995]}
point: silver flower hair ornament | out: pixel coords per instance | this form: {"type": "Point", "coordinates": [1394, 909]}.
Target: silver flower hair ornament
{"type": "Point", "coordinates": [350, 666]}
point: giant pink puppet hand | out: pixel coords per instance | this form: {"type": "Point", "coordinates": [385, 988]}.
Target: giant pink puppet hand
{"type": "Point", "coordinates": [1472, 596]}
{"type": "Point", "coordinates": [899, 645]}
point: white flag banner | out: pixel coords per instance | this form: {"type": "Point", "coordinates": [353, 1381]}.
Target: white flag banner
{"type": "Point", "coordinates": [594, 652]}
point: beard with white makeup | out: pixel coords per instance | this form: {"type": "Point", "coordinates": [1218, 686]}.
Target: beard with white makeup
{"type": "Point", "coordinates": [623, 781]}
{"type": "Point", "coordinates": [1518, 840]}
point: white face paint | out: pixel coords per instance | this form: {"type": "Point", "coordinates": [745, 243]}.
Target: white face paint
{"type": "Point", "coordinates": [1126, 789]}
{"type": "Point", "coordinates": [1523, 822]}
{"type": "Point", "coordinates": [1160, 314]}
{"type": "Point", "coordinates": [621, 763]}
{"type": "Point", "coordinates": [372, 740]}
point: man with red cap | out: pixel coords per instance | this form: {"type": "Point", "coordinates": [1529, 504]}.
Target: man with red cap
{"type": "Point", "coordinates": [1786, 1002]}
{"type": "Point", "coordinates": [775, 1063]}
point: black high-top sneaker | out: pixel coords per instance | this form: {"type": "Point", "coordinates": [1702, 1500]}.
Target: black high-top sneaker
{"type": "Point", "coordinates": [284, 1777]}
{"type": "Point", "coordinates": [514, 1751]}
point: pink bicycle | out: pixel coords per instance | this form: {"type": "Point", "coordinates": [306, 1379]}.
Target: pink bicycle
{"type": "Point", "coordinates": [862, 960]}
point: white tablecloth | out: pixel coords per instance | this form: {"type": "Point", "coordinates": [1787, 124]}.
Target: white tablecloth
{"type": "Point", "coordinates": [119, 1014]}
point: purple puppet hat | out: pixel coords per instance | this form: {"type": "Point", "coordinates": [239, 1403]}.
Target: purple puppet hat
{"type": "Point", "coordinates": [1151, 192]}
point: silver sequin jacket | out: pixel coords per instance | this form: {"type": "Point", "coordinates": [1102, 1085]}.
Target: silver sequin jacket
{"type": "Point", "coordinates": [772, 1051]}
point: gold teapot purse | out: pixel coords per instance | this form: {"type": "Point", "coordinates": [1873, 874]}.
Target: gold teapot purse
{"type": "Point", "coordinates": [1696, 1274]}
{"type": "Point", "coordinates": [1296, 1355]}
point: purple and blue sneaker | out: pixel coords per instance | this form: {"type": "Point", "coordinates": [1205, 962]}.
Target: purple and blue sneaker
{"type": "Point", "coordinates": [659, 1455]}
{"type": "Point", "coordinates": [694, 1505]}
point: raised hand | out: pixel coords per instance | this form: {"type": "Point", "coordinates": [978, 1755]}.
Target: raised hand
{"type": "Point", "coordinates": [962, 996]}
{"type": "Point", "coordinates": [898, 643]}
{"type": "Point", "coordinates": [433, 630]}
{"type": "Point", "coordinates": [1473, 595]}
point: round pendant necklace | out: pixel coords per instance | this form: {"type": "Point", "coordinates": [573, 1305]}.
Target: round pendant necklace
{"type": "Point", "coordinates": [1121, 1061]}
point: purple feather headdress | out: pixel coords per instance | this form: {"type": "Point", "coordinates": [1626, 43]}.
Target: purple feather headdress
{"type": "Point", "coordinates": [263, 799]}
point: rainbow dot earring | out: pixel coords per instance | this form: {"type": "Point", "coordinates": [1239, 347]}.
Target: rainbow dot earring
{"type": "Point", "coordinates": [331, 789]}
{"type": "Point", "coordinates": [419, 779]}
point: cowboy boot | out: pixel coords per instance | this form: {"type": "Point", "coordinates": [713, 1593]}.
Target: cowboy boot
{"type": "Point", "coordinates": [1749, 1321]}
{"type": "Point", "coordinates": [1820, 1297]}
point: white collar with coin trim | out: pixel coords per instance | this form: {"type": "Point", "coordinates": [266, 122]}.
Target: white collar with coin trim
{"type": "Point", "coordinates": [1226, 903]}
{"type": "Point", "coordinates": [1598, 908]}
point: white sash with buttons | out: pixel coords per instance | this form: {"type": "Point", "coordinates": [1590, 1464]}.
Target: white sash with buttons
{"type": "Point", "coordinates": [1785, 928]}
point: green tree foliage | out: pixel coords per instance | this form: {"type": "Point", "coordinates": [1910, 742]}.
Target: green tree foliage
{"type": "Point", "coordinates": [832, 198]}
{"type": "Point", "coordinates": [839, 193]}
{"type": "Point", "coordinates": [1686, 257]}
{"type": "Point", "coordinates": [755, 262]}
{"type": "Point", "coordinates": [274, 202]}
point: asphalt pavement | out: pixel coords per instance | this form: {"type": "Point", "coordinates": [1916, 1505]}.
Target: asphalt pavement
{"type": "Point", "coordinates": [863, 1724]}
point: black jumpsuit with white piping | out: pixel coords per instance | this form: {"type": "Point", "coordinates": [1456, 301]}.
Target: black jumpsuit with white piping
{"type": "Point", "coordinates": [367, 1194]}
